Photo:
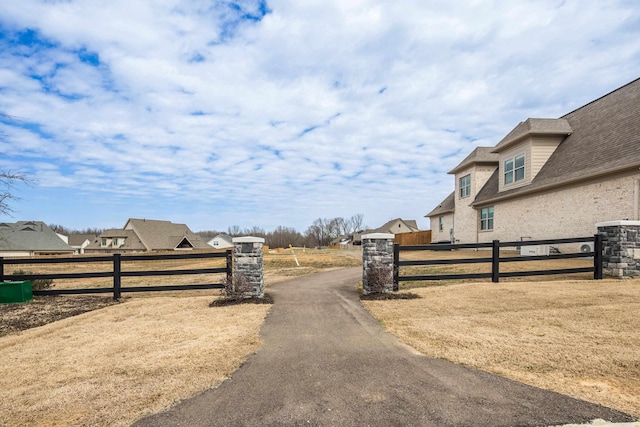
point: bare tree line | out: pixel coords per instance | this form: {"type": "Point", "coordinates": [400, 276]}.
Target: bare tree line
{"type": "Point", "coordinates": [320, 233]}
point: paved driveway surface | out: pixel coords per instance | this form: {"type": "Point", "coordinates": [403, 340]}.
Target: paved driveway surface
{"type": "Point", "coordinates": [326, 362]}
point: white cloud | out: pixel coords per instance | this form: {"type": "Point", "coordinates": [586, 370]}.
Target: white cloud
{"type": "Point", "coordinates": [320, 109]}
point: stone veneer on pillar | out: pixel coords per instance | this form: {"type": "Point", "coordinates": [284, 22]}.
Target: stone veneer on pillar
{"type": "Point", "coordinates": [377, 263]}
{"type": "Point", "coordinates": [248, 263]}
{"type": "Point", "coordinates": [621, 242]}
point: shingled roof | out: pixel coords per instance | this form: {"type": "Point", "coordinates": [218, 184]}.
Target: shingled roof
{"type": "Point", "coordinates": [605, 139]}
{"type": "Point", "coordinates": [164, 235]}
{"type": "Point", "coordinates": [448, 205]}
{"type": "Point", "coordinates": [534, 127]}
{"type": "Point", "coordinates": [481, 155]}
{"type": "Point", "coordinates": [30, 236]}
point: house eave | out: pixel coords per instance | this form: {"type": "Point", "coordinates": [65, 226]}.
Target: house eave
{"type": "Point", "coordinates": [526, 192]}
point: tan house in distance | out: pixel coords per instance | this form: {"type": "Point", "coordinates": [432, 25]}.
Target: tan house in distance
{"type": "Point", "coordinates": [147, 235]}
{"type": "Point", "coordinates": [549, 178]}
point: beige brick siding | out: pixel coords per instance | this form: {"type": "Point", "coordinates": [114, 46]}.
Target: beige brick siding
{"type": "Point", "coordinates": [436, 234]}
{"type": "Point", "coordinates": [466, 218]}
{"type": "Point", "coordinates": [567, 212]}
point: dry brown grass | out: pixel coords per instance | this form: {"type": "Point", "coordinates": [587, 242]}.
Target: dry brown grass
{"type": "Point", "coordinates": [115, 365]}
{"type": "Point", "coordinates": [575, 337]}
{"type": "Point", "coordinates": [278, 266]}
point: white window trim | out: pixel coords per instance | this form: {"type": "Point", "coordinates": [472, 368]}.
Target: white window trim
{"type": "Point", "coordinates": [467, 187]}
{"type": "Point", "coordinates": [514, 169]}
{"type": "Point", "coordinates": [488, 219]}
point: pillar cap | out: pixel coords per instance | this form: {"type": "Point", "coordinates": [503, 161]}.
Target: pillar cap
{"type": "Point", "coordinates": [376, 236]}
{"type": "Point", "coordinates": [617, 223]}
{"type": "Point", "coordinates": [247, 239]}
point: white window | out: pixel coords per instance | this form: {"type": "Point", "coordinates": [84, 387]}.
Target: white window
{"type": "Point", "coordinates": [465, 186]}
{"type": "Point", "coordinates": [486, 218]}
{"type": "Point", "coordinates": [441, 223]}
{"type": "Point", "coordinates": [514, 169]}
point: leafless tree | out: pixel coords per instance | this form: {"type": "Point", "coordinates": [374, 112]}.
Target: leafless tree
{"type": "Point", "coordinates": [8, 180]}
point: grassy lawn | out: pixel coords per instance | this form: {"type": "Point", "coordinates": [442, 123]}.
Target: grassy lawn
{"type": "Point", "coordinates": [576, 337]}
{"type": "Point", "coordinates": [114, 365]}
{"type": "Point", "coordinates": [117, 364]}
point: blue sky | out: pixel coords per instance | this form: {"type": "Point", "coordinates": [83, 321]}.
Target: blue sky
{"type": "Point", "coordinates": [267, 113]}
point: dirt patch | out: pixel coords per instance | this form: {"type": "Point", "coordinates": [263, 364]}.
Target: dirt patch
{"type": "Point", "coordinates": [223, 302]}
{"type": "Point", "coordinates": [381, 296]}
{"type": "Point", "coordinates": [47, 309]}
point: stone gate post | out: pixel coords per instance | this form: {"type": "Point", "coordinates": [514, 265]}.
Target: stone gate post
{"type": "Point", "coordinates": [621, 247]}
{"type": "Point", "coordinates": [248, 264]}
{"type": "Point", "coordinates": [377, 263]}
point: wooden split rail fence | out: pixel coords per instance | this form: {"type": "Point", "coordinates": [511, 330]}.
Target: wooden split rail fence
{"type": "Point", "coordinates": [495, 259]}
{"type": "Point", "coordinates": [117, 261]}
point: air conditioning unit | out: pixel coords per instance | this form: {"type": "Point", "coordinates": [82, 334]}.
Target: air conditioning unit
{"type": "Point", "coordinates": [534, 250]}
{"type": "Point", "coordinates": [586, 247]}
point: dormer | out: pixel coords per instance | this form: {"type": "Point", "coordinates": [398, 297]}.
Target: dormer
{"type": "Point", "coordinates": [524, 151]}
{"type": "Point", "coordinates": [473, 172]}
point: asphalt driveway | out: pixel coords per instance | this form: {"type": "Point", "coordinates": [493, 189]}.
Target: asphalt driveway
{"type": "Point", "coordinates": [326, 362]}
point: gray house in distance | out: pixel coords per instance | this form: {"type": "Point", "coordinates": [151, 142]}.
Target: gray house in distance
{"type": "Point", "coordinates": [30, 238]}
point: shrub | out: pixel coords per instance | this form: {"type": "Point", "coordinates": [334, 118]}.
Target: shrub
{"type": "Point", "coordinates": [379, 278]}
{"type": "Point", "coordinates": [37, 283]}
{"type": "Point", "coordinates": [237, 288]}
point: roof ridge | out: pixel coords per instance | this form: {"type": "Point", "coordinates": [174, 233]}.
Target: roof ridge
{"type": "Point", "coordinates": [599, 98]}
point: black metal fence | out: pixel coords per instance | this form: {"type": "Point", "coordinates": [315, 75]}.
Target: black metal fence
{"type": "Point", "coordinates": [117, 273]}
{"type": "Point", "coordinates": [495, 259]}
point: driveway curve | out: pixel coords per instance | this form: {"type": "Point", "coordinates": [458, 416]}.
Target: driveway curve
{"type": "Point", "coordinates": [325, 361]}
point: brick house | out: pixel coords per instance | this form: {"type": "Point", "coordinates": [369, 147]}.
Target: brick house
{"type": "Point", "coordinates": [549, 178]}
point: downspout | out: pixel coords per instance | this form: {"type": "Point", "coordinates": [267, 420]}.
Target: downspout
{"type": "Point", "coordinates": [636, 200]}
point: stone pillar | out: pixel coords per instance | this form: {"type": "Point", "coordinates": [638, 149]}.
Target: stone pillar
{"type": "Point", "coordinates": [248, 265]}
{"type": "Point", "coordinates": [621, 247]}
{"type": "Point", "coordinates": [377, 263]}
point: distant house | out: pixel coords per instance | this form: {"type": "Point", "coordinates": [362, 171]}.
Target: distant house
{"type": "Point", "coordinates": [80, 241]}
{"type": "Point", "coordinates": [395, 226]}
{"type": "Point", "coordinates": [549, 178]}
{"type": "Point", "coordinates": [146, 235]}
{"type": "Point", "coordinates": [221, 241]}
{"type": "Point", "coordinates": [30, 238]}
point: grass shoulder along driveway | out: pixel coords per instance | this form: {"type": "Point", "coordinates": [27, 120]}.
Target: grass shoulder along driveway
{"type": "Point", "coordinates": [578, 337]}
{"type": "Point", "coordinates": [117, 364]}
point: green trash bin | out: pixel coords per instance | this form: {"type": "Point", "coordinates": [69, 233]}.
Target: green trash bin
{"type": "Point", "coordinates": [11, 292]}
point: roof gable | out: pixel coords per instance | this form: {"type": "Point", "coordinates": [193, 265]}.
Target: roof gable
{"type": "Point", "coordinates": [164, 235]}
{"type": "Point", "coordinates": [531, 127]}
{"type": "Point", "coordinates": [605, 139]}
{"type": "Point", "coordinates": [481, 155]}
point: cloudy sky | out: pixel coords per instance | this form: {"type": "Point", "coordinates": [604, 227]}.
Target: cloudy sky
{"type": "Point", "coordinates": [266, 113]}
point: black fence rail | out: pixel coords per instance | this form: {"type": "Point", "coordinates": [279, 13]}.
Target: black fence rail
{"type": "Point", "coordinates": [495, 259]}
{"type": "Point", "coordinates": [117, 273]}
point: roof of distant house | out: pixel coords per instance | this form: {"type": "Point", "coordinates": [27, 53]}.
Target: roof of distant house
{"type": "Point", "coordinates": [164, 235]}
{"type": "Point", "coordinates": [30, 236]}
